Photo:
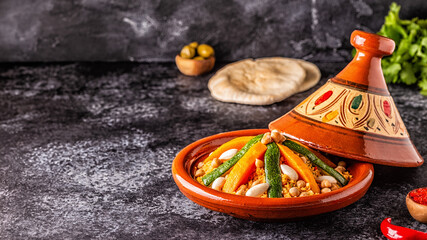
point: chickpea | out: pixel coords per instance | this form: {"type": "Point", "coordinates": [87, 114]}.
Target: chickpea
{"type": "Point", "coordinates": [304, 159]}
{"type": "Point", "coordinates": [266, 139]}
{"type": "Point", "coordinates": [294, 192]}
{"type": "Point", "coordinates": [304, 194]}
{"type": "Point", "coordinates": [259, 163]}
{"type": "Point", "coordinates": [241, 190]}
{"type": "Point", "coordinates": [200, 165]}
{"type": "Point", "coordinates": [277, 137]}
{"type": "Point", "coordinates": [256, 182]}
{"type": "Point", "coordinates": [301, 183]}
{"type": "Point", "coordinates": [325, 184]}
{"type": "Point", "coordinates": [340, 169]}
{"type": "Point", "coordinates": [325, 190]}
{"type": "Point", "coordinates": [215, 163]}
{"type": "Point", "coordinates": [342, 164]}
{"type": "Point", "coordinates": [199, 173]}
{"type": "Point", "coordinates": [335, 186]}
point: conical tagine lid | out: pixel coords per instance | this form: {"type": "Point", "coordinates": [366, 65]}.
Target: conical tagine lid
{"type": "Point", "coordinates": [353, 114]}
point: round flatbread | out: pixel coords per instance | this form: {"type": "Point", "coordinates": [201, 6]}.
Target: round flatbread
{"type": "Point", "coordinates": [312, 75]}
{"type": "Point", "coordinates": [257, 82]}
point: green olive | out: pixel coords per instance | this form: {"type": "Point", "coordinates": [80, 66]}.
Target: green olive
{"type": "Point", "coordinates": [205, 50]}
{"type": "Point", "coordinates": [199, 58]}
{"type": "Point", "coordinates": [188, 52]}
{"type": "Point", "coordinates": [194, 44]}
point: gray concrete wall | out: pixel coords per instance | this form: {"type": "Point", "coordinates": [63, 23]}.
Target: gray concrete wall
{"type": "Point", "coordinates": [120, 30]}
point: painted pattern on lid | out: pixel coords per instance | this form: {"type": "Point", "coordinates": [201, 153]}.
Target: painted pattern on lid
{"type": "Point", "coordinates": [339, 105]}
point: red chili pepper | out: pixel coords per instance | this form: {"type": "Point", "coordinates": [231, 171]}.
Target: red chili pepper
{"type": "Point", "coordinates": [396, 232]}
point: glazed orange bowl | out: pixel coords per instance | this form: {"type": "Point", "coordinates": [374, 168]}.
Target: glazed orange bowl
{"type": "Point", "coordinates": [256, 208]}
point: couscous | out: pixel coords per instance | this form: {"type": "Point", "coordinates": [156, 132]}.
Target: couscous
{"type": "Point", "coordinates": [270, 166]}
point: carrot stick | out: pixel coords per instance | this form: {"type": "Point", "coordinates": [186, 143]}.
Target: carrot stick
{"type": "Point", "coordinates": [298, 164]}
{"type": "Point", "coordinates": [244, 168]}
{"type": "Point", "coordinates": [236, 143]}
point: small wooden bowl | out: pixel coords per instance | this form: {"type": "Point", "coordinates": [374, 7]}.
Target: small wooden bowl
{"type": "Point", "coordinates": [417, 211]}
{"type": "Point", "coordinates": [193, 67]}
{"type": "Point", "coordinates": [262, 209]}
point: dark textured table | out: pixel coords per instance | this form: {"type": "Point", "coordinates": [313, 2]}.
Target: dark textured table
{"type": "Point", "coordinates": [86, 153]}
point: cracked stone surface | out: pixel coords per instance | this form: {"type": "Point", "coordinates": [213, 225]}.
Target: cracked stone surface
{"type": "Point", "coordinates": [86, 152]}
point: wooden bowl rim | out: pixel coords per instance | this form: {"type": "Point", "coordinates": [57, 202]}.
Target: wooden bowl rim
{"type": "Point", "coordinates": [207, 60]}
{"type": "Point", "coordinates": [415, 203]}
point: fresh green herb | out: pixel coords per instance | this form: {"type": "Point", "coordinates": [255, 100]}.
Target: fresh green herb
{"type": "Point", "coordinates": [408, 63]}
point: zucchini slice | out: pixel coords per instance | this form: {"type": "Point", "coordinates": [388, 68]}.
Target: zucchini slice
{"type": "Point", "coordinates": [314, 159]}
{"type": "Point", "coordinates": [273, 175]}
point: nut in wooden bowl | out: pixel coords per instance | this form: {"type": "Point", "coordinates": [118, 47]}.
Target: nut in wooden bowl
{"type": "Point", "coordinates": [193, 67]}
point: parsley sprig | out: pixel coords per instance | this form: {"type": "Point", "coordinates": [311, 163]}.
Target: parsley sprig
{"type": "Point", "coordinates": [408, 63]}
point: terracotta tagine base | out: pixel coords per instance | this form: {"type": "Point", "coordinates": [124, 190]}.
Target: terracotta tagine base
{"type": "Point", "coordinates": [353, 114]}
{"type": "Point", "coordinates": [262, 209]}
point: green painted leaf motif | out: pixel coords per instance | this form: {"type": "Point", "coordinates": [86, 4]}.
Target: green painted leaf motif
{"type": "Point", "coordinates": [355, 104]}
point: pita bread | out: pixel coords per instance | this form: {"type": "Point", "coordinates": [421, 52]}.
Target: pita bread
{"type": "Point", "coordinates": [257, 82]}
{"type": "Point", "coordinates": [312, 75]}
{"type": "Point", "coordinates": [312, 72]}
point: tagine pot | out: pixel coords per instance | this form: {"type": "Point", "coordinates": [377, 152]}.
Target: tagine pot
{"type": "Point", "coordinates": [353, 114]}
